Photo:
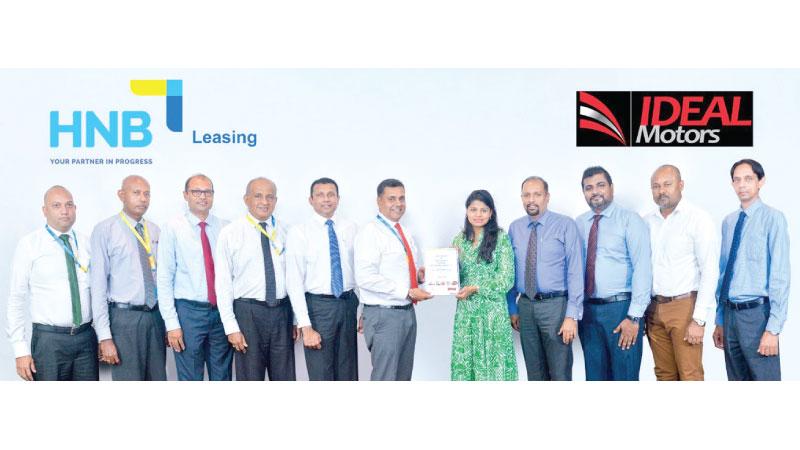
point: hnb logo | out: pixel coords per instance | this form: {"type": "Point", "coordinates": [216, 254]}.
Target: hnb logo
{"type": "Point", "coordinates": [129, 127]}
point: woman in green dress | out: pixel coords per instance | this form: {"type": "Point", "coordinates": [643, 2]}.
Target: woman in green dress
{"type": "Point", "coordinates": [483, 347]}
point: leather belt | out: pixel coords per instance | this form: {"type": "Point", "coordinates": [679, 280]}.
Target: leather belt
{"type": "Point", "coordinates": [252, 301]}
{"type": "Point", "coordinates": [549, 295]}
{"type": "Point", "coordinates": [408, 306]}
{"type": "Point", "coordinates": [746, 305]}
{"type": "Point", "coordinates": [345, 294]}
{"type": "Point", "coordinates": [196, 303]}
{"type": "Point", "coordinates": [72, 331]}
{"type": "Point", "coordinates": [661, 299]}
{"type": "Point", "coordinates": [612, 299]}
{"type": "Point", "coordinates": [144, 308]}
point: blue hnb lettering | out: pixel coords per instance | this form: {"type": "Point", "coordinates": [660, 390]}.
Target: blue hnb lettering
{"type": "Point", "coordinates": [134, 126]}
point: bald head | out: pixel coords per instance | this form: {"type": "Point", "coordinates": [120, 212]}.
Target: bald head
{"type": "Point", "coordinates": [667, 169]}
{"type": "Point", "coordinates": [667, 188]}
{"type": "Point", "coordinates": [59, 208]}
{"type": "Point", "coordinates": [261, 196]}
{"type": "Point", "coordinates": [135, 196]}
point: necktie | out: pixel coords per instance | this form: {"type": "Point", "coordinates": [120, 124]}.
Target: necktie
{"type": "Point", "coordinates": [530, 264]}
{"type": "Point", "coordinates": [147, 272]}
{"type": "Point", "coordinates": [591, 257]}
{"type": "Point", "coordinates": [73, 284]}
{"type": "Point", "coordinates": [337, 285]}
{"type": "Point", "coordinates": [737, 239]}
{"type": "Point", "coordinates": [412, 270]}
{"type": "Point", "coordinates": [269, 268]}
{"type": "Point", "coordinates": [208, 261]}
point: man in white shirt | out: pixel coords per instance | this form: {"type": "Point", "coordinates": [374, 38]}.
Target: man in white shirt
{"type": "Point", "coordinates": [319, 278]}
{"type": "Point", "coordinates": [251, 288]}
{"type": "Point", "coordinates": [50, 270]}
{"type": "Point", "coordinates": [186, 291]}
{"type": "Point", "coordinates": [685, 253]}
{"type": "Point", "coordinates": [386, 262]}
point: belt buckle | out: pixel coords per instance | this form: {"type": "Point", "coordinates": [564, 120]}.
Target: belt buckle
{"type": "Point", "coordinates": [73, 330]}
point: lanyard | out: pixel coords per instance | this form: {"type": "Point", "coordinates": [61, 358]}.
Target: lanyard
{"type": "Point", "coordinates": [145, 242]}
{"type": "Point", "coordinates": [270, 237]}
{"type": "Point", "coordinates": [394, 232]}
{"type": "Point", "coordinates": [67, 250]}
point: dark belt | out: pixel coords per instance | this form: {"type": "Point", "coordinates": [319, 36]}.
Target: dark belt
{"type": "Point", "coordinates": [72, 331]}
{"type": "Point", "coordinates": [144, 308]}
{"type": "Point", "coordinates": [195, 303]}
{"type": "Point", "coordinates": [746, 305]}
{"type": "Point", "coordinates": [661, 299]}
{"type": "Point", "coordinates": [252, 301]}
{"type": "Point", "coordinates": [408, 306]}
{"type": "Point", "coordinates": [345, 294]}
{"type": "Point", "coordinates": [614, 298]}
{"type": "Point", "coordinates": [549, 295]}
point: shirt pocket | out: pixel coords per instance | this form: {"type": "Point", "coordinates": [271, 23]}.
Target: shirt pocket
{"type": "Point", "coordinates": [755, 247]}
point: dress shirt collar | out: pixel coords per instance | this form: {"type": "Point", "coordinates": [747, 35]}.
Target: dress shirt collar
{"type": "Point", "coordinates": [680, 209]}
{"type": "Point", "coordinates": [542, 218]}
{"type": "Point", "coordinates": [133, 221]}
{"type": "Point", "coordinates": [321, 219]}
{"type": "Point", "coordinates": [608, 212]}
{"type": "Point", "coordinates": [58, 233]}
{"type": "Point", "coordinates": [389, 221]}
{"type": "Point", "coordinates": [752, 209]}
{"type": "Point", "coordinates": [195, 221]}
{"type": "Point", "coordinates": [268, 220]}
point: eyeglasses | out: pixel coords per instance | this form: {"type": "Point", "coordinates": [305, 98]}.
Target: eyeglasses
{"type": "Point", "coordinates": [197, 193]}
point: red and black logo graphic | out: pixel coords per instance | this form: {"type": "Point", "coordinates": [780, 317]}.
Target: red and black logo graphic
{"type": "Point", "coordinates": [623, 118]}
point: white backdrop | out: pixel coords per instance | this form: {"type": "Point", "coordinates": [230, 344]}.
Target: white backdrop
{"type": "Point", "coordinates": [442, 132]}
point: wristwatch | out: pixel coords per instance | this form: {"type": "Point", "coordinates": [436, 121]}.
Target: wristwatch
{"type": "Point", "coordinates": [633, 319]}
{"type": "Point", "coordinates": [702, 323]}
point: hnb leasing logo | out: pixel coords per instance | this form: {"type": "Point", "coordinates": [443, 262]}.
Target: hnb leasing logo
{"type": "Point", "coordinates": [606, 118]}
{"type": "Point", "coordinates": [131, 128]}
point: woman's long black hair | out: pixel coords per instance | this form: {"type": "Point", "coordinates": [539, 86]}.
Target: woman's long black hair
{"type": "Point", "coordinates": [489, 230]}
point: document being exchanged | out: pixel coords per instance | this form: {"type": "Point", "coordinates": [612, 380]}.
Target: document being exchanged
{"type": "Point", "coordinates": [441, 271]}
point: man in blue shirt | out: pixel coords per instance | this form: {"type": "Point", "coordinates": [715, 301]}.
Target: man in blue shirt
{"type": "Point", "coordinates": [186, 287]}
{"type": "Point", "coordinates": [753, 290]}
{"type": "Point", "coordinates": [546, 301]}
{"type": "Point", "coordinates": [617, 283]}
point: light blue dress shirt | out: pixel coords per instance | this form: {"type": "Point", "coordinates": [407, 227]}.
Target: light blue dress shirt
{"type": "Point", "coordinates": [181, 267]}
{"type": "Point", "coordinates": [623, 261]}
{"type": "Point", "coordinates": [762, 266]}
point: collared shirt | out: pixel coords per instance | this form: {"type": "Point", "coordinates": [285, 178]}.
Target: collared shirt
{"type": "Point", "coordinates": [39, 274]}
{"type": "Point", "coordinates": [181, 266]}
{"type": "Point", "coordinates": [559, 259]}
{"type": "Point", "coordinates": [381, 265]}
{"type": "Point", "coordinates": [308, 260]}
{"type": "Point", "coordinates": [685, 251]}
{"type": "Point", "coordinates": [116, 273]}
{"type": "Point", "coordinates": [239, 266]}
{"type": "Point", "coordinates": [762, 267]}
{"type": "Point", "coordinates": [623, 261]}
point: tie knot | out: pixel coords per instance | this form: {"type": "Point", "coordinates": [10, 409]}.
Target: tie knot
{"type": "Point", "coordinates": [597, 217]}
{"type": "Point", "coordinates": [139, 227]}
{"type": "Point", "coordinates": [329, 222]}
{"type": "Point", "coordinates": [65, 238]}
{"type": "Point", "coordinates": [203, 225]}
{"type": "Point", "coordinates": [742, 215]}
{"type": "Point", "coordinates": [397, 225]}
{"type": "Point", "coordinates": [263, 225]}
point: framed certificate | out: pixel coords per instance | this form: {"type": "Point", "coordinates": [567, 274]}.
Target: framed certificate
{"type": "Point", "coordinates": [441, 271]}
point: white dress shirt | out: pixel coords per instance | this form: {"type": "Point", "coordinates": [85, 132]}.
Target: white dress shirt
{"type": "Point", "coordinates": [39, 274]}
{"type": "Point", "coordinates": [239, 266]}
{"type": "Point", "coordinates": [685, 249]}
{"type": "Point", "coordinates": [381, 266]}
{"type": "Point", "coordinates": [308, 261]}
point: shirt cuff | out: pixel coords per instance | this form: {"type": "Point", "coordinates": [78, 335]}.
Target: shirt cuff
{"type": "Point", "coordinates": [172, 324]}
{"type": "Point", "coordinates": [720, 317]}
{"type": "Point", "coordinates": [773, 326]}
{"type": "Point", "coordinates": [572, 311]}
{"type": "Point", "coordinates": [230, 326]}
{"type": "Point", "coordinates": [303, 321]}
{"type": "Point", "coordinates": [21, 349]}
{"type": "Point", "coordinates": [103, 333]}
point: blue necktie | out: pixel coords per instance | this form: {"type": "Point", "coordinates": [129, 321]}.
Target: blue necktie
{"type": "Point", "coordinates": [737, 239]}
{"type": "Point", "coordinates": [337, 285]}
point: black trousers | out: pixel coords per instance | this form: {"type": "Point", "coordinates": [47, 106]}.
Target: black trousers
{"type": "Point", "coordinates": [336, 322]}
{"type": "Point", "coordinates": [64, 357]}
{"type": "Point", "coordinates": [140, 338]}
{"type": "Point", "coordinates": [270, 347]}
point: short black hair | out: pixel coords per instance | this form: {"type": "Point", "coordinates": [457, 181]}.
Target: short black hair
{"type": "Point", "coordinates": [323, 180]}
{"type": "Point", "coordinates": [389, 183]}
{"type": "Point", "coordinates": [594, 170]}
{"type": "Point", "coordinates": [755, 165]}
{"type": "Point", "coordinates": [535, 178]}
{"type": "Point", "coordinates": [197, 175]}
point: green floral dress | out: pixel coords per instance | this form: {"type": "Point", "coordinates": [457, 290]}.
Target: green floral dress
{"type": "Point", "coordinates": [483, 347]}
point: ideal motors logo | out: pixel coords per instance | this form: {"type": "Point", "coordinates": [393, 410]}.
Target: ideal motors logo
{"type": "Point", "coordinates": [125, 128]}
{"type": "Point", "coordinates": [664, 118]}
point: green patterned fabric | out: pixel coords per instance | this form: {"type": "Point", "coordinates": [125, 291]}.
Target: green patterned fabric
{"type": "Point", "coordinates": [483, 347]}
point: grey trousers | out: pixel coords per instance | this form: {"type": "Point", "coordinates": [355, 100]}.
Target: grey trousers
{"type": "Point", "coordinates": [547, 357]}
{"type": "Point", "coordinates": [64, 357]}
{"type": "Point", "coordinates": [742, 336]}
{"type": "Point", "coordinates": [391, 335]}
{"type": "Point", "coordinates": [270, 347]}
{"type": "Point", "coordinates": [336, 322]}
{"type": "Point", "coordinates": [140, 338]}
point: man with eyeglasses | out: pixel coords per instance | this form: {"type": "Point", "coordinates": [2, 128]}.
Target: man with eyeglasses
{"type": "Point", "coordinates": [186, 289]}
{"type": "Point", "coordinates": [251, 288]}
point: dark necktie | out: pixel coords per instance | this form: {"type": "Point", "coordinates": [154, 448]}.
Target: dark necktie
{"type": "Point", "coordinates": [591, 258]}
{"type": "Point", "coordinates": [147, 271]}
{"type": "Point", "coordinates": [73, 284]}
{"type": "Point", "coordinates": [530, 263]}
{"type": "Point", "coordinates": [269, 268]}
{"type": "Point", "coordinates": [337, 284]}
{"type": "Point", "coordinates": [208, 261]}
{"type": "Point", "coordinates": [737, 239]}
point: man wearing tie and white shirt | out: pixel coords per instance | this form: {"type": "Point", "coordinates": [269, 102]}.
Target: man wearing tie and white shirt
{"type": "Point", "coordinates": [186, 287]}
{"type": "Point", "coordinates": [386, 262]}
{"type": "Point", "coordinates": [50, 270]}
{"type": "Point", "coordinates": [251, 289]}
{"type": "Point", "coordinates": [319, 278]}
